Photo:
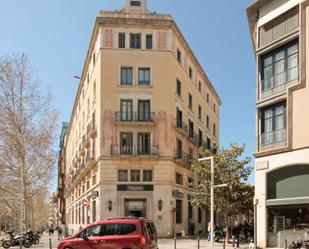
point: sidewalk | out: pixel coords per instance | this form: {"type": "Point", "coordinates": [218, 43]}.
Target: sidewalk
{"type": "Point", "coordinates": [190, 243]}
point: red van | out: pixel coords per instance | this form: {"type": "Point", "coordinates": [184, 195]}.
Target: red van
{"type": "Point", "coordinates": [116, 233]}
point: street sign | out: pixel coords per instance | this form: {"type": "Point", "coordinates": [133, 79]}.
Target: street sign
{"type": "Point", "coordinates": [85, 203]}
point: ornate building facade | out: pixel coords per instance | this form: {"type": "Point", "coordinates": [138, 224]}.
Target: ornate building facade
{"type": "Point", "coordinates": [143, 107]}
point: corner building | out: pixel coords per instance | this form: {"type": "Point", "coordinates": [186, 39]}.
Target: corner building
{"type": "Point", "coordinates": [279, 30]}
{"type": "Point", "coordinates": [143, 107]}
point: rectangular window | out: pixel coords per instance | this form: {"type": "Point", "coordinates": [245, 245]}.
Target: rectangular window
{"type": "Point", "coordinates": [122, 40]}
{"type": "Point", "coordinates": [144, 143]}
{"type": "Point", "coordinates": [126, 143]}
{"type": "Point", "coordinates": [178, 149]}
{"type": "Point", "coordinates": [200, 137]}
{"type": "Point", "coordinates": [190, 72]}
{"type": "Point", "coordinates": [190, 153]}
{"type": "Point", "coordinates": [214, 107]}
{"type": "Point", "coordinates": [148, 41]}
{"type": "Point", "coordinates": [179, 118]}
{"type": "Point", "coordinates": [178, 87]}
{"type": "Point", "coordinates": [190, 181]}
{"type": "Point", "coordinates": [135, 175]}
{"type": "Point", "coordinates": [199, 216]}
{"type": "Point", "coordinates": [280, 66]}
{"type": "Point", "coordinates": [135, 41]}
{"type": "Point", "coordinates": [200, 87]}
{"type": "Point", "coordinates": [199, 112]}
{"type": "Point", "coordinates": [144, 76]}
{"type": "Point", "coordinates": [207, 122]}
{"type": "Point", "coordinates": [178, 211]}
{"type": "Point", "coordinates": [273, 121]}
{"type": "Point", "coordinates": [208, 143]}
{"type": "Point", "coordinates": [190, 101]}
{"type": "Point", "coordinates": [191, 129]}
{"type": "Point", "coordinates": [126, 109]}
{"type": "Point", "coordinates": [147, 175]}
{"type": "Point", "coordinates": [207, 98]}
{"type": "Point", "coordinates": [179, 56]}
{"type": "Point", "coordinates": [214, 129]}
{"type": "Point", "coordinates": [122, 175]}
{"type": "Point", "coordinates": [190, 210]}
{"type": "Point", "coordinates": [126, 76]}
{"type": "Point", "coordinates": [135, 3]}
{"type": "Point", "coordinates": [179, 179]}
{"type": "Point", "coordinates": [144, 113]}
{"type": "Point", "coordinates": [93, 59]}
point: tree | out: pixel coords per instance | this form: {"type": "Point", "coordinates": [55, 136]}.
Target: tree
{"type": "Point", "coordinates": [230, 169]}
{"type": "Point", "coordinates": [27, 135]}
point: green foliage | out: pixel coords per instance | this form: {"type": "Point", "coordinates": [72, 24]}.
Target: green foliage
{"type": "Point", "coordinates": [230, 169]}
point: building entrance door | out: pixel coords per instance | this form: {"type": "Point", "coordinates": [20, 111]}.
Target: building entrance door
{"type": "Point", "coordinates": [135, 208]}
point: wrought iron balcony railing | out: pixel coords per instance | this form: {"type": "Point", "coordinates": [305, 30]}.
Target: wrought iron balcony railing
{"type": "Point", "coordinates": [151, 150]}
{"type": "Point", "coordinates": [135, 116]}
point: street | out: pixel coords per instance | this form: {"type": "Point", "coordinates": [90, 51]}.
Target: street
{"type": "Point", "coordinates": [163, 243]}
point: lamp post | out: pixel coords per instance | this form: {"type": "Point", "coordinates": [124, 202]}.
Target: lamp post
{"type": "Point", "coordinates": [212, 187]}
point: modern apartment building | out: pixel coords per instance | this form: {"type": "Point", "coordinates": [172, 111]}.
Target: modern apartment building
{"type": "Point", "coordinates": [279, 30]}
{"type": "Point", "coordinates": [143, 107]}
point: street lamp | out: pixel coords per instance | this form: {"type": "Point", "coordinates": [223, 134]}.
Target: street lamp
{"type": "Point", "coordinates": [212, 187]}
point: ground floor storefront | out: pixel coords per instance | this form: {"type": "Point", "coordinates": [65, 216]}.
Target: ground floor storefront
{"type": "Point", "coordinates": [282, 188]}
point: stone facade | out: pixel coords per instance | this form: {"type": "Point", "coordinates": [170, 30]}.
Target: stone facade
{"type": "Point", "coordinates": [126, 154]}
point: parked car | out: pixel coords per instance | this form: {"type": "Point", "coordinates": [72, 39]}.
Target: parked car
{"type": "Point", "coordinates": [115, 233]}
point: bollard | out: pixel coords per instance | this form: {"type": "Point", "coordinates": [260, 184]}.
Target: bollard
{"type": "Point", "coordinates": [285, 244]}
{"type": "Point", "coordinates": [223, 243]}
{"type": "Point", "coordinates": [20, 244]}
{"type": "Point", "coordinates": [175, 242]}
{"type": "Point", "coordinates": [50, 243]}
{"type": "Point", "coordinates": [198, 242]}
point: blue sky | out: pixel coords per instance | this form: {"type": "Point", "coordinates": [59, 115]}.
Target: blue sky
{"type": "Point", "coordinates": [55, 35]}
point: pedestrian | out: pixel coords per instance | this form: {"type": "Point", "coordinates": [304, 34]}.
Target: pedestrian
{"type": "Point", "coordinates": [60, 233]}
{"type": "Point", "coordinates": [192, 228]}
{"type": "Point", "coordinates": [236, 228]}
{"type": "Point", "coordinates": [209, 231]}
{"type": "Point", "coordinates": [65, 230]}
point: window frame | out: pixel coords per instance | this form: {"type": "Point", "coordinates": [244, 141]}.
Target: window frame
{"type": "Point", "coordinates": [144, 82]}
{"type": "Point", "coordinates": [126, 82]}
{"type": "Point", "coordinates": [178, 87]}
{"type": "Point", "coordinates": [149, 36]}
{"type": "Point", "coordinates": [137, 177]}
{"type": "Point", "coordinates": [126, 178]}
{"type": "Point", "coordinates": [121, 40]}
{"type": "Point", "coordinates": [135, 40]}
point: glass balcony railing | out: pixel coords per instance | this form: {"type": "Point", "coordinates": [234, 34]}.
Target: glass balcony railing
{"type": "Point", "coordinates": [278, 83]}
{"type": "Point", "coordinates": [272, 140]}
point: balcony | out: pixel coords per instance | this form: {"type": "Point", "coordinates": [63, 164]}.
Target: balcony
{"type": "Point", "coordinates": [137, 117]}
{"type": "Point", "coordinates": [184, 158]}
{"type": "Point", "coordinates": [183, 128]}
{"type": "Point", "coordinates": [278, 83]}
{"type": "Point", "coordinates": [91, 130]}
{"type": "Point", "coordinates": [272, 140]}
{"type": "Point", "coordinates": [117, 150]}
